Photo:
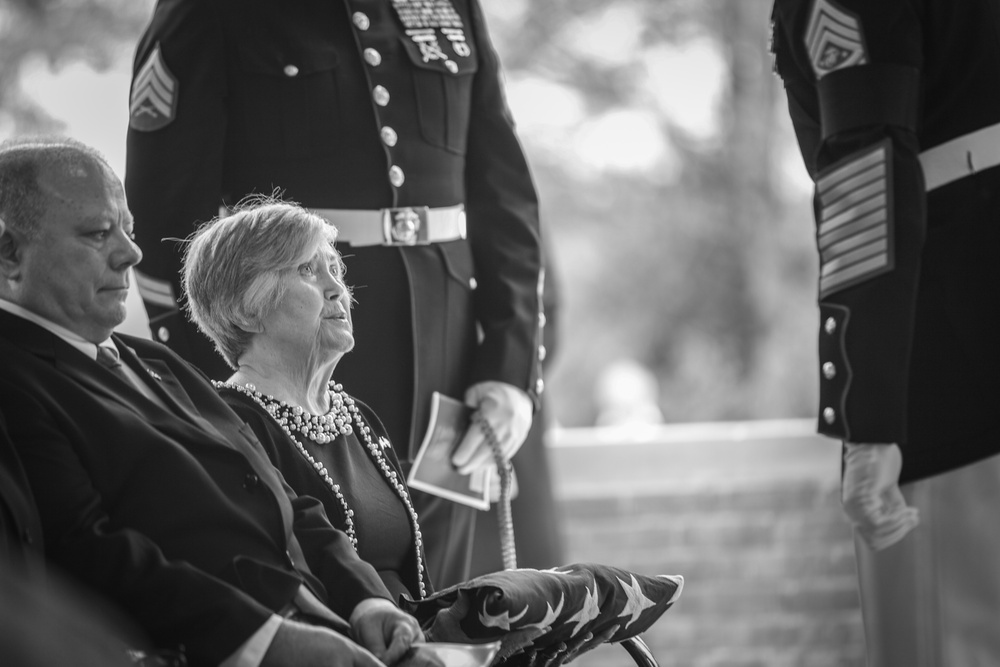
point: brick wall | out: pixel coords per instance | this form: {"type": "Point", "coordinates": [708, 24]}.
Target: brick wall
{"type": "Point", "coordinates": [748, 513]}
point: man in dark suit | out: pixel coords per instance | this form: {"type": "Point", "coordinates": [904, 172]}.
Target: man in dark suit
{"type": "Point", "coordinates": [389, 119]}
{"type": "Point", "coordinates": [20, 528]}
{"type": "Point", "coordinates": [150, 490]}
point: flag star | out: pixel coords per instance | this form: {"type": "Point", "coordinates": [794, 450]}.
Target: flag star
{"type": "Point", "coordinates": [550, 614]}
{"type": "Point", "coordinates": [637, 600]}
{"type": "Point", "coordinates": [501, 621]}
{"type": "Point", "coordinates": [588, 612]}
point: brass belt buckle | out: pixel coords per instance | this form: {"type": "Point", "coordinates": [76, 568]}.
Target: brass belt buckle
{"type": "Point", "coordinates": [406, 225]}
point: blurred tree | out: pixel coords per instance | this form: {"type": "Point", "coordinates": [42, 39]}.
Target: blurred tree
{"type": "Point", "coordinates": [59, 32]}
{"type": "Point", "coordinates": [697, 262]}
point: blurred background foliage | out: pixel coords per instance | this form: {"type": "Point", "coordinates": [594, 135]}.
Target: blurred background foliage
{"type": "Point", "coordinates": [674, 202]}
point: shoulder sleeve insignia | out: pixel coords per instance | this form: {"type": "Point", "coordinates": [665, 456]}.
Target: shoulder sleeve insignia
{"type": "Point", "coordinates": [834, 39]}
{"type": "Point", "coordinates": [153, 103]}
{"type": "Point", "coordinates": [855, 222]}
{"type": "Point", "coordinates": [155, 292]}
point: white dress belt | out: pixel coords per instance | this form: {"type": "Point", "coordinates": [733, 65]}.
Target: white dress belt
{"type": "Point", "coordinates": [407, 225]}
{"type": "Point", "coordinates": [961, 157]}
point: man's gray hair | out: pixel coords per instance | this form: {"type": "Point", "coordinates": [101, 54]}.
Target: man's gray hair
{"type": "Point", "coordinates": [232, 268]}
{"type": "Point", "coordinates": [22, 200]}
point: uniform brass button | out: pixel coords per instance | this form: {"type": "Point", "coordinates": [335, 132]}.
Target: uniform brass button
{"type": "Point", "coordinates": [163, 334]}
{"type": "Point", "coordinates": [291, 70]}
{"type": "Point", "coordinates": [539, 386]}
{"type": "Point", "coordinates": [830, 325]}
{"type": "Point", "coordinates": [389, 136]}
{"type": "Point", "coordinates": [251, 481]}
{"type": "Point", "coordinates": [361, 20]}
{"type": "Point", "coordinates": [473, 283]}
{"type": "Point", "coordinates": [542, 352]}
{"type": "Point", "coordinates": [542, 319]}
{"type": "Point", "coordinates": [451, 66]}
{"type": "Point", "coordinates": [373, 57]}
{"type": "Point", "coordinates": [396, 176]}
{"type": "Point", "coordinates": [829, 370]}
{"type": "Point", "coordinates": [829, 415]}
{"type": "Point", "coordinates": [381, 95]}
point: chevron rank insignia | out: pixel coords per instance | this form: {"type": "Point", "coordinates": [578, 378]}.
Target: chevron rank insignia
{"type": "Point", "coordinates": [153, 104]}
{"type": "Point", "coordinates": [834, 39]}
{"type": "Point", "coordinates": [855, 231]}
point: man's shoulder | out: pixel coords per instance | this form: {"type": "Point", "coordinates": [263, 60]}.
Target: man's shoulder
{"type": "Point", "coordinates": [151, 350]}
{"type": "Point", "coordinates": [146, 347]}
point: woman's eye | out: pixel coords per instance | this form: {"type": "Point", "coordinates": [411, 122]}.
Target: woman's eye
{"type": "Point", "coordinates": [99, 235]}
{"type": "Point", "coordinates": [306, 269]}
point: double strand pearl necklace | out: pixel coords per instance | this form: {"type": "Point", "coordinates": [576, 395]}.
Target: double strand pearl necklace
{"type": "Point", "coordinates": [323, 429]}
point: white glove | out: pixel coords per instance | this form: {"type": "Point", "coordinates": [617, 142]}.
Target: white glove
{"type": "Point", "coordinates": [507, 410]}
{"type": "Point", "coordinates": [871, 496]}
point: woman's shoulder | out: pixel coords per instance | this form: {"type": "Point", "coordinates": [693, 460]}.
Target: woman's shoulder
{"type": "Point", "coordinates": [378, 429]}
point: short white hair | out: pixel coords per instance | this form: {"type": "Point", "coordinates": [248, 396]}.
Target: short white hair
{"type": "Point", "coordinates": [232, 268]}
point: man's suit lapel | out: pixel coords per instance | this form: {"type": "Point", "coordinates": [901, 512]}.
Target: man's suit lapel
{"type": "Point", "coordinates": [46, 345]}
{"type": "Point", "coordinates": [169, 388]}
{"type": "Point", "coordinates": [180, 415]}
{"type": "Point", "coordinates": [161, 379]}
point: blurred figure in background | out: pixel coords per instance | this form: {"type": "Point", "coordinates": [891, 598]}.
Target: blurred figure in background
{"type": "Point", "coordinates": [389, 120]}
{"type": "Point", "coordinates": [896, 106]}
{"type": "Point", "coordinates": [627, 394]}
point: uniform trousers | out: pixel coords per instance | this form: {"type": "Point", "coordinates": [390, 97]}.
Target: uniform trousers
{"type": "Point", "coordinates": [933, 599]}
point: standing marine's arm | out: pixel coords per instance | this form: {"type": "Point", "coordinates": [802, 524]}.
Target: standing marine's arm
{"type": "Point", "coordinates": [175, 148]}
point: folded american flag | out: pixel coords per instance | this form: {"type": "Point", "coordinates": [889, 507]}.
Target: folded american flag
{"type": "Point", "coordinates": [534, 609]}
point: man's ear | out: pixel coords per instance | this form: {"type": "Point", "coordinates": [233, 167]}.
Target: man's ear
{"type": "Point", "coordinates": [11, 246]}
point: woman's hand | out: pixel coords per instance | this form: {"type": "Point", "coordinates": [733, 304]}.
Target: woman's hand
{"type": "Point", "coordinates": [384, 629]}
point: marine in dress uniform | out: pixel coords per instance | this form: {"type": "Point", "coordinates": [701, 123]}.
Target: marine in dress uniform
{"type": "Point", "coordinates": [896, 107]}
{"type": "Point", "coordinates": [389, 119]}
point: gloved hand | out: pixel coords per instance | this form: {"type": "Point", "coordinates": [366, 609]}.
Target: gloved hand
{"type": "Point", "coordinates": [508, 411]}
{"type": "Point", "coordinates": [870, 494]}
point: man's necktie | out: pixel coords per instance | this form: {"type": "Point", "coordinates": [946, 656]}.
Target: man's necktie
{"type": "Point", "coordinates": [108, 357]}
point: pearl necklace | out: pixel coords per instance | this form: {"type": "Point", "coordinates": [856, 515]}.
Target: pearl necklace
{"type": "Point", "coordinates": [323, 429]}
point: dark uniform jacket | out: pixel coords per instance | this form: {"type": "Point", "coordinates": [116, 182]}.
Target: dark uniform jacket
{"type": "Point", "coordinates": [349, 104]}
{"type": "Point", "coordinates": [174, 514]}
{"type": "Point", "coordinates": [894, 104]}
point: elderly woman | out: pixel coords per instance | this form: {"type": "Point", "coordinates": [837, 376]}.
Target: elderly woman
{"type": "Point", "coordinates": [267, 286]}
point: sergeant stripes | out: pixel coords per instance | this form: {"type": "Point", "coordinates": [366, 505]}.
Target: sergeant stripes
{"type": "Point", "coordinates": [834, 39]}
{"type": "Point", "coordinates": [154, 291]}
{"type": "Point", "coordinates": [154, 94]}
{"type": "Point", "coordinates": [855, 218]}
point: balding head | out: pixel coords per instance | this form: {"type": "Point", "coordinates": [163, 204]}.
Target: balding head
{"type": "Point", "coordinates": [29, 167]}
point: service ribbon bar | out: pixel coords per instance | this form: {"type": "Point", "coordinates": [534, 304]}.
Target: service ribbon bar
{"type": "Point", "coordinates": [853, 236]}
